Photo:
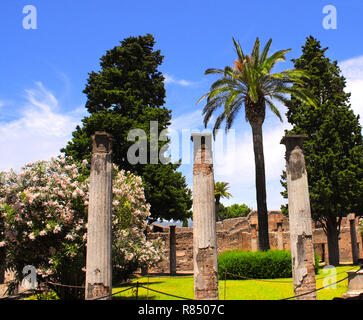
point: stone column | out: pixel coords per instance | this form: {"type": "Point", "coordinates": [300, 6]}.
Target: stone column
{"type": "Point", "coordinates": [301, 242]}
{"type": "Point", "coordinates": [254, 235]}
{"type": "Point", "coordinates": [204, 220]}
{"type": "Point", "coordinates": [172, 250]}
{"type": "Point", "coordinates": [99, 240]}
{"type": "Point", "coordinates": [280, 239]}
{"type": "Point", "coordinates": [353, 238]}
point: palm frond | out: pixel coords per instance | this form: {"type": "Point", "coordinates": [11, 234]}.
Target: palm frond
{"type": "Point", "coordinates": [265, 51]}
{"type": "Point", "coordinates": [235, 108]}
{"type": "Point", "coordinates": [238, 48]}
{"type": "Point", "coordinates": [213, 71]}
{"type": "Point", "coordinates": [300, 93]}
{"type": "Point", "coordinates": [256, 52]}
{"type": "Point", "coordinates": [218, 123]}
{"type": "Point", "coordinates": [270, 62]}
{"type": "Point", "coordinates": [273, 108]}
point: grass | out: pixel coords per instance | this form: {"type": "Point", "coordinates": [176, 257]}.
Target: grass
{"type": "Point", "coordinates": [269, 289]}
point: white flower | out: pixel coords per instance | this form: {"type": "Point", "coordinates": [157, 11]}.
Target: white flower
{"type": "Point", "coordinates": [57, 228]}
{"type": "Point", "coordinates": [69, 237]}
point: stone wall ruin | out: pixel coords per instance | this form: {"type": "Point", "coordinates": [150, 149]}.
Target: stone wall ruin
{"type": "Point", "coordinates": [241, 233]}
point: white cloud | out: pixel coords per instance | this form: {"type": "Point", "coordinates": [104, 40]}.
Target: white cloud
{"type": "Point", "coordinates": [40, 131]}
{"type": "Point", "coordinates": [170, 79]}
{"type": "Point", "coordinates": [352, 69]}
{"type": "Point", "coordinates": [191, 120]}
{"type": "Point", "coordinates": [234, 161]}
{"type": "Point", "coordinates": [239, 168]}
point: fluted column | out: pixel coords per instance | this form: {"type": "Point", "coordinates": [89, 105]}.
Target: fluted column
{"type": "Point", "coordinates": [302, 250]}
{"type": "Point", "coordinates": [204, 220]}
{"type": "Point", "coordinates": [99, 239]}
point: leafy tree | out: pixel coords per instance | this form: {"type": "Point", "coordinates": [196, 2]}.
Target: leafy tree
{"type": "Point", "coordinates": [250, 84]}
{"type": "Point", "coordinates": [222, 212]}
{"type": "Point", "coordinates": [238, 210]}
{"type": "Point", "coordinates": [127, 93]}
{"type": "Point", "coordinates": [234, 211]}
{"type": "Point", "coordinates": [220, 191]}
{"type": "Point", "coordinates": [333, 151]}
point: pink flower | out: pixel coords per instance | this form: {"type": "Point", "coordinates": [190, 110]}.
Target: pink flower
{"type": "Point", "coordinates": [57, 228]}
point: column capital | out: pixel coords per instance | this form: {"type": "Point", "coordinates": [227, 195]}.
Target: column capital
{"type": "Point", "coordinates": [202, 140]}
{"type": "Point", "coordinates": [291, 141]}
{"type": "Point", "coordinates": [202, 148]}
{"type": "Point", "coordinates": [101, 142]}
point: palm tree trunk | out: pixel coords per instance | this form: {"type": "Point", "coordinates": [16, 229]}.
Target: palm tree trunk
{"type": "Point", "coordinates": [264, 244]}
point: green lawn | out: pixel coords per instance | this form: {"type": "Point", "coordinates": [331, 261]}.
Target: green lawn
{"type": "Point", "coordinates": [273, 289]}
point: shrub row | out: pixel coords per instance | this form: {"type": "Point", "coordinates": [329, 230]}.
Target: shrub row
{"type": "Point", "coordinates": [272, 264]}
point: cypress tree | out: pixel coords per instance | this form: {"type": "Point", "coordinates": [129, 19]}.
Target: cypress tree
{"type": "Point", "coordinates": [333, 150]}
{"type": "Point", "coordinates": [127, 93]}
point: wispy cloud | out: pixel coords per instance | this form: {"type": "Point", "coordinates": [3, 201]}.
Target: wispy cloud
{"type": "Point", "coordinates": [172, 80]}
{"type": "Point", "coordinates": [234, 160]}
{"type": "Point", "coordinates": [191, 120]}
{"type": "Point", "coordinates": [352, 70]}
{"type": "Point", "coordinates": [40, 131]}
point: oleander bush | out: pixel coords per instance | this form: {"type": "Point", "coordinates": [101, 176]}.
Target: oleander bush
{"type": "Point", "coordinates": [272, 264]}
{"type": "Point", "coordinates": [43, 223]}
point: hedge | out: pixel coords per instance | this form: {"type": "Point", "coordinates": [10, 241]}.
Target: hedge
{"type": "Point", "coordinates": [272, 264]}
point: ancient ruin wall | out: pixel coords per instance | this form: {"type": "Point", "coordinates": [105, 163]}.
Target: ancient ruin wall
{"type": "Point", "coordinates": [241, 233]}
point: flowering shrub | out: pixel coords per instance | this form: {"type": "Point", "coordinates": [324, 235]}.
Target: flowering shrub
{"type": "Point", "coordinates": [131, 249]}
{"type": "Point", "coordinates": [43, 221]}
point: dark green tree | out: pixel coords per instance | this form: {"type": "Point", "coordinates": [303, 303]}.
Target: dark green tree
{"type": "Point", "coordinates": [127, 93]}
{"type": "Point", "coordinates": [333, 151]}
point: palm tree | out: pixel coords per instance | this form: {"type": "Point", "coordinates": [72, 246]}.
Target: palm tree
{"type": "Point", "coordinates": [250, 84]}
{"type": "Point", "coordinates": [220, 191]}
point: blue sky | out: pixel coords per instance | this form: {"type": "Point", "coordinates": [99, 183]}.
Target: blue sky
{"type": "Point", "coordinates": [44, 71]}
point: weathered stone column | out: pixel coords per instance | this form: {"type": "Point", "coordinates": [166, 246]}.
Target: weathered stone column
{"type": "Point", "coordinates": [99, 240]}
{"type": "Point", "coordinates": [254, 236]}
{"type": "Point", "coordinates": [280, 239]}
{"type": "Point", "coordinates": [204, 220]}
{"type": "Point", "coordinates": [172, 250]}
{"type": "Point", "coordinates": [301, 242]}
{"type": "Point", "coordinates": [353, 238]}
